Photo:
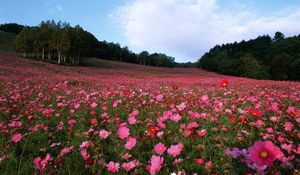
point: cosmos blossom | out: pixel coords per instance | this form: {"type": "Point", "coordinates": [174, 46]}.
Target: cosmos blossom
{"type": "Point", "coordinates": [160, 148]}
{"type": "Point", "coordinates": [156, 164]}
{"type": "Point", "coordinates": [16, 138]}
{"type": "Point", "coordinates": [130, 143]}
{"type": "Point", "coordinates": [123, 132]}
{"type": "Point", "coordinates": [175, 150]}
{"type": "Point", "coordinates": [264, 153]}
{"type": "Point", "coordinates": [223, 83]}
{"type": "Point", "coordinates": [104, 134]}
{"type": "Point", "coordinates": [113, 167]}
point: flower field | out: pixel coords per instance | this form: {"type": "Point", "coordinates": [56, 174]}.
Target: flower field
{"type": "Point", "coordinates": [119, 118]}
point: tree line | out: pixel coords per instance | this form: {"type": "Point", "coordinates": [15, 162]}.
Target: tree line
{"type": "Point", "coordinates": [63, 44]}
{"type": "Point", "coordinates": [275, 58]}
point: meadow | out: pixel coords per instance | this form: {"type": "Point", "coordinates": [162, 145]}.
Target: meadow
{"type": "Point", "coordinates": [119, 118]}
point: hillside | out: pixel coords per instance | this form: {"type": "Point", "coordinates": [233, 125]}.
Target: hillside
{"type": "Point", "coordinates": [120, 117]}
{"type": "Point", "coordinates": [7, 41]}
{"type": "Point", "coordinates": [274, 58]}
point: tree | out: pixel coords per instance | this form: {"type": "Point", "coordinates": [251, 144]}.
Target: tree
{"type": "Point", "coordinates": [281, 66]}
{"type": "Point", "coordinates": [142, 57]}
{"type": "Point", "coordinates": [295, 70]}
{"type": "Point", "coordinates": [278, 37]}
{"type": "Point", "coordinates": [11, 28]}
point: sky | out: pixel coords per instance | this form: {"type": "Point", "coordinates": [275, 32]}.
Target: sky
{"type": "Point", "coordinates": [184, 29]}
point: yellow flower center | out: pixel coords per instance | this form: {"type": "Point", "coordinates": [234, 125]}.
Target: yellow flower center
{"type": "Point", "coordinates": [264, 154]}
{"type": "Point", "coordinates": [224, 84]}
{"type": "Point", "coordinates": [174, 151]}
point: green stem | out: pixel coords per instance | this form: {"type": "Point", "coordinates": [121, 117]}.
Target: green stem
{"type": "Point", "coordinates": [19, 167]}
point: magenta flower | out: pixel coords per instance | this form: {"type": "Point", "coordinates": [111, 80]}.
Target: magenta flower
{"type": "Point", "coordinates": [40, 163]}
{"type": "Point", "coordinates": [16, 138]}
{"type": "Point", "coordinates": [65, 151]}
{"type": "Point", "coordinates": [288, 126]}
{"type": "Point", "coordinates": [130, 143]}
{"type": "Point", "coordinates": [71, 122]}
{"type": "Point", "coordinates": [130, 165]}
{"type": "Point", "coordinates": [159, 97]}
{"type": "Point", "coordinates": [175, 150]}
{"type": "Point", "coordinates": [176, 118]}
{"type": "Point", "coordinates": [160, 148]}
{"type": "Point", "coordinates": [104, 134]}
{"type": "Point", "coordinates": [113, 167]}
{"type": "Point", "coordinates": [123, 132]}
{"type": "Point", "coordinates": [94, 105]}
{"type": "Point", "coordinates": [85, 155]}
{"type": "Point", "coordinates": [156, 163]}
{"type": "Point", "coordinates": [202, 133]}
{"type": "Point", "coordinates": [264, 153]}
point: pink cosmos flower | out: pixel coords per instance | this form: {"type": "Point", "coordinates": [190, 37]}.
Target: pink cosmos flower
{"type": "Point", "coordinates": [259, 123]}
{"type": "Point", "coordinates": [192, 125]}
{"type": "Point", "coordinates": [85, 145]}
{"type": "Point", "coordinates": [160, 134]}
{"type": "Point", "coordinates": [130, 165]}
{"type": "Point", "coordinates": [76, 105]}
{"type": "Point", "coordinates": [288, 126]}
{"type": "Point", "coordinates": [94, 121]}
{"type": "Point", "coordinates": [40, 163]}
{"type": "Point", "coordinates": [123, 132]}
{"type": "Point", "coordinates": [181, 106]}
{"type": "Point", "coordinates": [156, 163]}
{"type": "Point", "coordinates": [204, 98]}
{"type": "Point", "coordinates": [176, 118]}
{"type": "Point", "coordinates": [199, 161]}
{"type": "Point", "coordinates": [202, 133]}
{"type": "Point", "coordinates": [65, 151]}
{"type": "Point", "coordinates": [113, 167]}
{"type": "Point", "coordinates": [104, 134]}
{"type": "Point", "coordinates": [297, 150]}
{"type": "Point", "coordinates": [16, 138]}
{"type": "Point", "coordinates": [159, 97]}
{"type": "Point", "coordinates": [160, 148]}
{"type": "Point", "coordinates": [208, 164]}
{"type": "Point", "coordinates": [130, 143]}
{"type": "Point", "coordinates": [15, 124]}
{"type": "Point", "coordinates": [85, 155]}
{"type": "Point", "coordinates": [175, 150]}
{"type": "Point", "coordinates": [94, 105]}
{"type": "Point", "coordinates": [132, 120]}
{"type": "Point", "coordinates": [116, 103]}
{"type": "Point", "coordinates": [264, 153]}
{"type": "Point", "coordinates": [71, 122]}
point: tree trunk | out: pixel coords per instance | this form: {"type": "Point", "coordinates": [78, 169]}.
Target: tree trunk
{"type": "Point", "coordinates": [49, 55]}
{"type": "Point", "coordinates": [59, 57]}
{"type": "Point", "coordinates": [43, 53]}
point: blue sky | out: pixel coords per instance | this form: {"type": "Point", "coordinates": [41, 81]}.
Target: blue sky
{"type": "Point", "coordinates": [184, 29]}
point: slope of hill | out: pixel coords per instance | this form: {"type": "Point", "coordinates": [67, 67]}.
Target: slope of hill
{"type": "Point", "coordinates": [7, 41]}
{"type": "Point", "coordinates": [274, 58]}
{"type": "Point", "coordinates": [60, 119]}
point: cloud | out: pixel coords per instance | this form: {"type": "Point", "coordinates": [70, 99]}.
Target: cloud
{"type": "Point", "coordinates": [55, 9]}
{"type": "Point", "coordinates": [188, 28]}
{"type": "Point", "coordinates": [58, 7]}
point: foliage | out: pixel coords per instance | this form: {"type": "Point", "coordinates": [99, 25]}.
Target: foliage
{"type": "Point", "coordinates": [64, 44]}
{"type": "Point", "coordinates": [11, 28]}
{"type": "Point", "coordinates": [7, 42]}
{"type": "Point", "coordinates": [260, 58]}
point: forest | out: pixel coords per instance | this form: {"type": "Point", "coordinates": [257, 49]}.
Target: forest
{"type": "Point", "coordinates": [276, 58]}
{"type": "Point", "coordinates": [63, 44]}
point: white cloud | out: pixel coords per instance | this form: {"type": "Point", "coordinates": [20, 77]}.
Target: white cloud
{"type": "Point", "coordinates": [188, 28]}
{"type": "Point", "coordinates": [59, 8]}
{"type": "Point", "coordinates": [55, 9]}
